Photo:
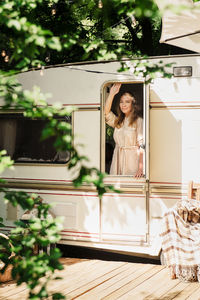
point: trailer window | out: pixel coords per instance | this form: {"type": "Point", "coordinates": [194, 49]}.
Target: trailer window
{"type": "Point", "coordinates": [21, 138]}
{"type": "Point", "coordinates": [124, 139]}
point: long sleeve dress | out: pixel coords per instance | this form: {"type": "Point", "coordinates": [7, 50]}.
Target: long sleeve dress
{"type": "Point", "coordinates": [128, 139]}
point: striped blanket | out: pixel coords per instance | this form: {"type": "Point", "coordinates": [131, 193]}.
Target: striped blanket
{"type": "Point", "coordinates": [180, 238]}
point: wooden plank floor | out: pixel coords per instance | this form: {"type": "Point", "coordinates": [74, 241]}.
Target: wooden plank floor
{"type": "Point", "coordinates": [108, 280]}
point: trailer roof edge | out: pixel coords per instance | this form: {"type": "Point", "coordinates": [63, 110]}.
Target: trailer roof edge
{"type": "Point", "coordinates": [110, 61]}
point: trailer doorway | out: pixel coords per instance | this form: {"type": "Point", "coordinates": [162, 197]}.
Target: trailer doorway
{"type": "Point", "coordinates": [125, 217]}
{"type": "Point", "coordinates": [135, 89]}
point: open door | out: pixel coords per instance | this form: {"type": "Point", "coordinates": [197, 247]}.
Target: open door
{"type": "Point", "coordinates": [124, 216]}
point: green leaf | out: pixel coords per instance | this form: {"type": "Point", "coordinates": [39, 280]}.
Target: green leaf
{"type": "Point", "coordinates": [58, 296]}
{"type": "Point", "coordinates": [40, 41]}
{"type": "Point", "coordinates": [14, 23]}
{"type": "Point", "coordinates": [54, 43]}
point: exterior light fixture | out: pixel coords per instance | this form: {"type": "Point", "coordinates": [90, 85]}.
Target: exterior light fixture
{"type": "Point", "coordinates": [182, 71]}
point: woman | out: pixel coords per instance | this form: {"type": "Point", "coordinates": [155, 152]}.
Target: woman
{"type": "Point", "coordinates": [128, 134]}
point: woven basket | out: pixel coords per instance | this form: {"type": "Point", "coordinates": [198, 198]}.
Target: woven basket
{"type": "Point", "coordinates": [6, 276]}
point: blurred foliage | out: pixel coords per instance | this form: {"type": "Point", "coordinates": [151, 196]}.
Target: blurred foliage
{"type": "Point", "coordinates": [1, 222]}
{"type": "Point", "coordinates": [37, 269]}
{"type": "Point", "coordinates": [35, 32]}
{"type": "Point", "coordinates": [5, 162]}
{"type": "Point", "coordinates": [109, 132]}
{"type": "Point", "coordinates": [147, 70]}
{"type": "Point", "coordinates": [41, 231]}
{"type": "Point", "coordinates": [34, 268]}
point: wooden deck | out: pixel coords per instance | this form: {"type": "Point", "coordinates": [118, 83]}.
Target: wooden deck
{"type": "Point", "coordinates": [108, 280]}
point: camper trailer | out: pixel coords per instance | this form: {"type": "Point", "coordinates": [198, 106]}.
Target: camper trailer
{"type": "Point", "coordinates": [129, 222]}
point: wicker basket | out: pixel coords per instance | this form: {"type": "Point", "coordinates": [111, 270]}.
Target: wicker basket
{"type": "Point", "coordinates": [6, 276]}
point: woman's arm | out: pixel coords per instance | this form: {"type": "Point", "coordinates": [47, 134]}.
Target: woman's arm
{"type": "Point", "coordinates": [113, 91]}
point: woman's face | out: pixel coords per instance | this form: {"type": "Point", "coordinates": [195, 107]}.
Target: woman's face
{"type": "Point", "coordinates": [126, 104]}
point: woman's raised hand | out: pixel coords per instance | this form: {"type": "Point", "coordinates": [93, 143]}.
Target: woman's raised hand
{"type": "Point", "coordinates": [113, 91]}
{"type": "Point", "coordinates": [115, 88]}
